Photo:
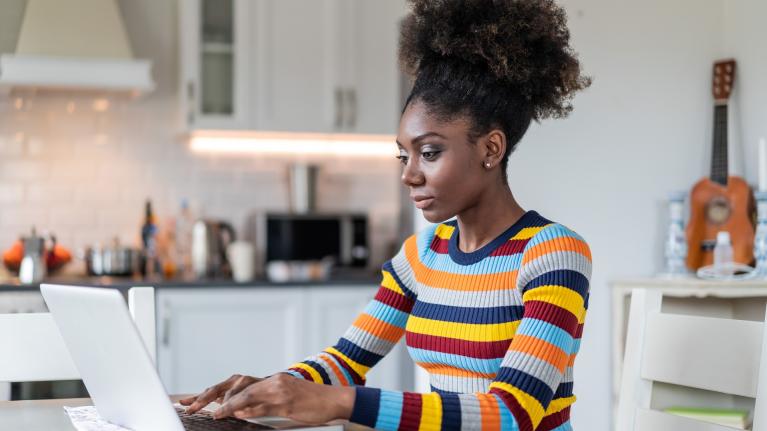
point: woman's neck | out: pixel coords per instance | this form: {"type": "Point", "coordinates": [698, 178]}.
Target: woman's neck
{"type": "Point", "coordinates": [490, 217]}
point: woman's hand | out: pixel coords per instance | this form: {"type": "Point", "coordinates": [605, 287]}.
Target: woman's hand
{"type": "Point", "coordinates": [219, 393]}
{"type": "Point", "coordinates": [287, 396]}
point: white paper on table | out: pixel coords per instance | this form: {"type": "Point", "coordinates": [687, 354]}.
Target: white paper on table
{"type": "Point", "coordinates": [86, 418]}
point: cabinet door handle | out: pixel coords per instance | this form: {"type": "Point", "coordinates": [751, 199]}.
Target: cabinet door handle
{"type": "Point", "coordinates": [351, 95]}
{"type": "Point", "coordinates": [166, 331]}
{"type": "Point", "coordinates": [191, 108]}
{"type": "Point", "coordinates": [339, 108]}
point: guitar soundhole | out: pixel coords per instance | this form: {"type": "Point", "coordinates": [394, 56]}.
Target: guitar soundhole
{"type": "Point", "coordinates": [718, 210]}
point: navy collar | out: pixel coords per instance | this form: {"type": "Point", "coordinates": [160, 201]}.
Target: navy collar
{"type": "Point", "coordinates": [475, 256]}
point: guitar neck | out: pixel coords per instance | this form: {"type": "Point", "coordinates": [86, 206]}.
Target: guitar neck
{"type": "Point", "coordinates": [719, 151]}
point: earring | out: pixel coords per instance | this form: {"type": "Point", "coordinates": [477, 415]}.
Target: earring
{"type": "Point", "coordinates": [487, 165]}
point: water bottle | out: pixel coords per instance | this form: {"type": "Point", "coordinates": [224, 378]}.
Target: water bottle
{"type": "Point", "coordinates": [723, 254]}
{"type": "Point", "coordinates": [183, 237]}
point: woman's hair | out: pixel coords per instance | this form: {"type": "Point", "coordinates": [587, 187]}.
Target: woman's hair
{"type": "Point", "coordinates": [500, 63]}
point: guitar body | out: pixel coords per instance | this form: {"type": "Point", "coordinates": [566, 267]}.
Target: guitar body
{"type": "Point", "coordinates": [715, 207]}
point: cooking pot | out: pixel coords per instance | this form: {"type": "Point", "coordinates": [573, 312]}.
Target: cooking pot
{"type": "Point", "coordinates": [114, 260]}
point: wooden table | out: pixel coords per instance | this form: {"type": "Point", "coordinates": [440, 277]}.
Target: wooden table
{"type": "Point", "coordinates": [38, 415]}
{"type": "Point", "coordinates": [49, 415]}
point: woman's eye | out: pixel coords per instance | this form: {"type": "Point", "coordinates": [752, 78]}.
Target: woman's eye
{"type": "Point", "coordinates": [430, 155]}
{"type": "Point", "coordinates": [402, 159]}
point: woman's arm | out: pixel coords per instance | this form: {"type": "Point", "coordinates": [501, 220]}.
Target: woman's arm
{"type": "Point", "coordinates": [553, 281]}
{"type": "Point", "coordinates": [372, 335]}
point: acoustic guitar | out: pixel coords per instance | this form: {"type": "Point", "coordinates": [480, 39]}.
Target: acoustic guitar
{"type": "Point", "coordinates": [721, 202]}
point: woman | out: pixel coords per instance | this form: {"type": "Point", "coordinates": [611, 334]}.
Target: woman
{"type": "Point", "coordinates": [491, 303]}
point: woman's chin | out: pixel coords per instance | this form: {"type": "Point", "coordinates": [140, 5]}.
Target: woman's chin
{"type": "Point", "coordinates": [434, 216]}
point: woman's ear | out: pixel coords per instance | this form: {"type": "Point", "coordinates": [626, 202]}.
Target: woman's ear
{"type": "Point", "coordinates": [494, 146]}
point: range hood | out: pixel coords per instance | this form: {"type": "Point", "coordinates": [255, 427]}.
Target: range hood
{"type": "Point", "coordinates": [74, 45]}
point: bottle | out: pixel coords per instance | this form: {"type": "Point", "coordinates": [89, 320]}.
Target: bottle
{"type": "Point", "coordinates": [760, 239]}
{"type": "Point", "coordinates": [150, 266]}
{"type": "Point", "coordinates": [183, 237]}
{"type": "Point", "coordinates": [723, 254]}
{"type": "Point", "coordinates": [676, 242]}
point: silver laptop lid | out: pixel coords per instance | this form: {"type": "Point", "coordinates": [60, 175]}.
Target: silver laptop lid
{"type": "Point", "coordinates": [110, 357]}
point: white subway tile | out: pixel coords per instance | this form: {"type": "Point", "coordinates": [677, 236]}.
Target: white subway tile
{"type": "Point", "coordinates": [10, 146]}
{"type": "Point", "coordinates": [22, 218]}
{"type": "Point", "coordinates": [11, 194]}
{"type": "Point", "coordinates": [50, 193]}
{"type": "Point", "coordinates": [62, 218]}
{"type": "Point", "coordinates": [56, 149]}
{"type": "Point", "coordinates": [24, 170]}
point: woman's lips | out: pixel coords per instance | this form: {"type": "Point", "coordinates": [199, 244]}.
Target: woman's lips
{"type": "Point", "coordinates": [423, 203]}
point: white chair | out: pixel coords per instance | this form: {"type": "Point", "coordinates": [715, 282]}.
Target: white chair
{"type": "Point", "coordinates": [723, 355]}
{"type": "Point", "coordinates": [33, 350]}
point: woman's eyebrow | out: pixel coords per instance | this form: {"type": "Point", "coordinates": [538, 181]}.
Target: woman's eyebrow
{"type": "Point", "coordinates": [419, 138]}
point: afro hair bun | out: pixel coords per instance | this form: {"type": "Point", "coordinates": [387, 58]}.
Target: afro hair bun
{"type": "Point", "coordinates": [521, 43]}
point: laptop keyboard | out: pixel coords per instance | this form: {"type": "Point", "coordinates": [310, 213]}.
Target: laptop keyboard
{"type": "Point", "coordinates": [203, 421]}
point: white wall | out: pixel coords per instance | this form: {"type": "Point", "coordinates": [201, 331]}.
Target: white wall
{"type": "Point", "coordinates": [744, 37]}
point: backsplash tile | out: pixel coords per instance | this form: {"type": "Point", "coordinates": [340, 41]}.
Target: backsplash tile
{"type": "Point", "coordinates": [85, 175]}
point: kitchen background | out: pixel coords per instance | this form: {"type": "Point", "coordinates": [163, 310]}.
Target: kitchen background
{"type": "Point", "coordinates": [85, 175]}
{"type": "Point", "coordinates": [642, 130]}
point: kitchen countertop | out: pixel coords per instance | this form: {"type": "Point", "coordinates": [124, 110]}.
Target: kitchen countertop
{"type": "Point", "coordinates": [337, 278]}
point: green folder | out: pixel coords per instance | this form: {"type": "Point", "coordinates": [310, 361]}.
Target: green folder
{"type": "Point", "coordinates": [736, 418]}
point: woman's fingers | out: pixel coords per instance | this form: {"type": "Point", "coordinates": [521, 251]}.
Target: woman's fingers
{"type": "Point", "coordinates": [251, 412]}
{"type": "Point", "coordinates": [238, 386]}
{"type": "Point", "coordinates": [245, 399]}
{"type": "Point", "coordinates": [187, 401]}
{"type": "Point", "coordinates": [211, 394]}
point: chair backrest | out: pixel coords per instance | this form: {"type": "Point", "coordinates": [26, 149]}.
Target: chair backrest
{"type": "Point", "coordinates": [33, 349]}
{"type": "Point", "coordinates": [721, 355]}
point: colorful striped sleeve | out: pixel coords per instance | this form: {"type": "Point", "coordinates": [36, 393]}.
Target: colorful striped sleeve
{"type": "Point", "coordinates": [372, 335]}
{"type": "Point", "coordinates": [553, 281]}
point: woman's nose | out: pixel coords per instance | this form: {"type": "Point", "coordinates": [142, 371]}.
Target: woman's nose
{"type": "Point", "coordinates": [411, 174]}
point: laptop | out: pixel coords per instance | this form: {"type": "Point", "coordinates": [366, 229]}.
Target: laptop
{"type": "Point", "coordinates": [117, 370]}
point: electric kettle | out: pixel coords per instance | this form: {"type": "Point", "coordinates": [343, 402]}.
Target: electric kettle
{"type": "Point", "coordinates": [210, 239]}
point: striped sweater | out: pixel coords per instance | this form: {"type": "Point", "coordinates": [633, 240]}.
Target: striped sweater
{"type": "Point", "coordinates": [497, 329]}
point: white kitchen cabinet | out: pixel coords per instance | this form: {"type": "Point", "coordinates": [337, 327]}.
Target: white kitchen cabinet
{"type": "Point", "coordinates": [22, 302]}
{"type": "Point", "coordinates": [205, 335]}
{"type": "Point", "coordinates": [294, 62]}
{"type": "Point", "coordinates": [326, 65]}
{"type": "Point", "coordinates": [214, 58]}
{"type": "Point", "coordinates": [291, 65]}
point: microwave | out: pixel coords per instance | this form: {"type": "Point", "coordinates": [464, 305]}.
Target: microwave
{"type": "Point", "coordinates": [344, 237]}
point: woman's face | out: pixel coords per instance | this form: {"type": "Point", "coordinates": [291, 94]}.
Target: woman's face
{"type": "Point", "coordinates": [442, 169]}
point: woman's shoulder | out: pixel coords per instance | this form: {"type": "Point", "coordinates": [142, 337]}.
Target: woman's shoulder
{"type": "Point", "coordinates": [554, 232]}
{"type": "Point", "coordinates": [555, 247]}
